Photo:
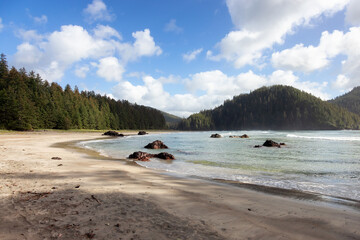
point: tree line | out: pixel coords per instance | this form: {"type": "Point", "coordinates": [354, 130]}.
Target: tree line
{"type": "Point", "coordinates": [278, 108]}
{"type": "Point", "coordinates": [28, 102]}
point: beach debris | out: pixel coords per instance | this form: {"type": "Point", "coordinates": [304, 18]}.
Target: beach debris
{"type": "Point", "coordinates": [77, 186]}
{"type": "Point", "coordinates": [271, 143]}
{"type": "Point", "coordinates": [56, 158]}
{"type": "Point", "coordinates": [249, 209]}
{"type": "Point", "coordinates": [113, 134]}
{"type": "Point", "coordinates": [93, 197]}
{"type": "Point", "coordinates": [143, 156]}
{"type": "Point", "coordinates": [216, 135]}
{"type": "Point", "coordinates": [59, 165]}
{"type": "Point", "coordinates": [156, 145]}
{"type": "Point", "coordinates": [242, 136]}
{"type": "Point", "coordinates": [142, 133]}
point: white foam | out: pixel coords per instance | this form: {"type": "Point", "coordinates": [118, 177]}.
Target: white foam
{"type": "Point", "coordinates": [325, 138]}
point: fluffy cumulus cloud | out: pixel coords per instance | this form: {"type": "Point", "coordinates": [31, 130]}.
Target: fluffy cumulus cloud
{"type": "Point", "coordinates": [190, 56]}
{"type": "Point", "coordinates": [110, 69]}
{"type": "Point", "coordinates": [310, 58]}
{"type": "Point", "coordinates": [261, 24]}
{"type": "Point", "coordinates": [52, 54]}
{"type": "Point", "coordinates": [208, 89]}
{"type": "Point", "coordinates": [97, 11]}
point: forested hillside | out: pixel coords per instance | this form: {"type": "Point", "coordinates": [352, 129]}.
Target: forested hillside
{"type": "Point", "coordinates": [277, 107]}
{"type": "Point", "coordinates": [350, 100]}
{"type": "Point", "coordinates": [27, 102]}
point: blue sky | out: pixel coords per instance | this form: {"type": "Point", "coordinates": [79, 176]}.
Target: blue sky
{"type": "Point", "coordinates": [186, 56]}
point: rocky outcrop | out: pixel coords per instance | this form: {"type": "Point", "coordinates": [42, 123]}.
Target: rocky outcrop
{"type": "Point", "coordinates": [143, 156]}
{"type": "Point", "coordinates": [271, 143]}
{"type": "Point", "coordinates": [142, 133]}
{"type": "Point", "coordinates": [113, 134]}
{"type": "Point", "coordinates": [156, 145]}
{"type": "Point", "coordinates": [236, 136]}
{"type": "Point", "coordinates": [216, 135]}
{"type": "Point", "coordinates": [165, 156]}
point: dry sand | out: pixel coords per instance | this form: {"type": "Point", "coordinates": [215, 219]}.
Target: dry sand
{"type": "Point", "coordinates": [83, 197]}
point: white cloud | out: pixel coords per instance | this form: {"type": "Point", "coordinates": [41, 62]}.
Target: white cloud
{"type": "Point", "coordinates": [40, 20]}
{"type": "Point", "coordinates": [52, 54]}
{"type": "Point", "coordinates": [81, 71]}
{"type": "Point", "coordinates": [261, 24]}
{"type": "Point", "coordinates": [308, 59]}
{"type": "Point", "coordinates": [110, 69]}
{"type": "Point", "coordinates": [144, 45]}
{"type": "Point", "coordinates": [97, 11]}
{"type": "Point", "coordinates": [106, 32]}
{"type": "Point", "coordinates": [1, 25]}
{"type": "Point", "coordinates": [190, 56]}
{"type": "Point", "coordinates": [27, 54]}
{"type": "Point", "coordinates": [29, 35]}
{"type": "Point", "coordinates": [352, 15]}
{"type": "Point", "coordinates": [172, 27]}
{"type": "Point", "coordinates": [208, 89]}
{"type": "Point", "coordinates": [341, 82]}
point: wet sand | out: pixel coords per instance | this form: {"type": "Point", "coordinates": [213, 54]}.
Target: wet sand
{"type": "Point", "coordinates": [86, 196]}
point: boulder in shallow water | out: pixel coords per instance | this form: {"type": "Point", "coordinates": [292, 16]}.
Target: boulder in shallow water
{"type": "Point", "coordinates": [216, 135]}
{"type": "Point", "coordinates": [144, 156]}
{"type": "Point", "coordinates": [142, 133]}
{"type": "Point", "coordinates": [244, 136]}
{"type": "Point", "coordinates": [165, 156]}
{"type": "Point", "coordinates": [156, 145]}
{"type": "Point", "coordinates": [271, 143]}
{"type": "Point", "coordinates": [141, 156]}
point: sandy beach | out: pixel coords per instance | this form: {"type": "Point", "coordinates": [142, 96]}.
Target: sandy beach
{"type": "Point", "coordinates": [82, 195]}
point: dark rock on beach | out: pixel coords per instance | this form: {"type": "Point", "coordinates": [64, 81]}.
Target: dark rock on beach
{"type": "Point", "coordinates": [216, 135]}
{"type": "Point", "coordinates": [113, 134]}
{"type": "Point", "coordinates": [244, 136]}
{"type": "Point", "coordinates": [156, 145]}
{"type": "Point", "coordinates": [142, 133]}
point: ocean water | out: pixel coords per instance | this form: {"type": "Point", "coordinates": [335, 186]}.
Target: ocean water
{"type": "Point", "coordinates": [323, 162]}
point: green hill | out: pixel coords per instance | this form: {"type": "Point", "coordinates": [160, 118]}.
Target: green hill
{"type": "Point", "coordinates": [171, 120]}
{"type": "Point", "coordinates": [278, 108]}
{"type": "Point", "coordinates": [350, 100]}
{"type": "Point", "coordinates": [27, 102]}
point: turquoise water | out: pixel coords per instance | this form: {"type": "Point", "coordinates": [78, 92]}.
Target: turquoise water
{"type": "Point", "coordinates": [325, 162]}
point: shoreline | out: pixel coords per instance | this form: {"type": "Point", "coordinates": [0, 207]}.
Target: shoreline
{"type": "Point", "coordinates": [290, 193]}
{"type": "Point", "coordinates": [84, 197]}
